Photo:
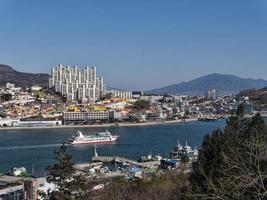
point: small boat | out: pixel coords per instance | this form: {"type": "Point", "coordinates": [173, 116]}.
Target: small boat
{"type": "Point", "coordinates": [98, 138]}
{"type": "Point", "coordinates": [186, 150]}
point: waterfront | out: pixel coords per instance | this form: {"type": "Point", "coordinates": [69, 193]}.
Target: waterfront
{"type": "Point", "coordinates": [34, 148]}
{"type": "Point", "coordinates": [102, 125]}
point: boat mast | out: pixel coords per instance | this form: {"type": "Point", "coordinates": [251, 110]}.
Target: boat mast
{"type": "Point", "coordinates": [96, 155]}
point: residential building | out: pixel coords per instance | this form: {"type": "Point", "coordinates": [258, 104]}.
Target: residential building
{"type": "Point", "coordinates": [76, 83]}
{"type": "Point", "coordinates": [36, 88]}
{"type": "Point", "coordinates": [83, 117]}
{"type": "Point", "coordinates": [121, 94]}
{"type": "Point", "coordinates": [211, 94]}
{"type": "Point", "coordinates": [115, 115]}
{"type": "Point", "coordinates": [168, 98]}
{"type": "Point", "coordinates": [137, 94]}
{"type": "Point", "coordinates": [10, 86]}
{"type": "Point", "coordinates": [74, 117]}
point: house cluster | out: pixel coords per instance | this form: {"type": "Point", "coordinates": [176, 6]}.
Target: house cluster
{"type": "Point", "coordinates": [37, 107]}
{"type": "Point", "coordinates": [79, 96]}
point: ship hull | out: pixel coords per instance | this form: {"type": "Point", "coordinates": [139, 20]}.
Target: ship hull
{"type": "Point", "coordinates": [95, 142]}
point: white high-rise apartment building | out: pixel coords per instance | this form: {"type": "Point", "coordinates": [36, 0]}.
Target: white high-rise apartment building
{"type": "Point", "coordinates": [76, 83]}
{"type": "Point", "coordinates": [211, 94]}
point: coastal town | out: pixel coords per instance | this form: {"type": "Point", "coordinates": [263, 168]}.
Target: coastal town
{"type": "Point", "coordinates": [76, 97]}
{"type": "Point", "coordinates": [133, 100]}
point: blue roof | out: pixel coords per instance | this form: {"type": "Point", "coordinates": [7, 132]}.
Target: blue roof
{"type": "Point", "coordinates": [170, 161]}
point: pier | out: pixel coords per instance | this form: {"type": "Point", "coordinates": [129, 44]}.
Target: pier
{"type": "Point", "coordinates": [106, 159]}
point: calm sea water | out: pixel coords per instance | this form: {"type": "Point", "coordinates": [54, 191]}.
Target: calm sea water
{"type": "Point", "coordinates": [35, 148]}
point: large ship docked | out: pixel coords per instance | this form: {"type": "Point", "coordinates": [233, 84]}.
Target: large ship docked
{"type": "Point", "coordinates": [98, 138]}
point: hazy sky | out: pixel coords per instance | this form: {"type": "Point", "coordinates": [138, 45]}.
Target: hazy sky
{"type": "Point", "coordinates": [137, 44]}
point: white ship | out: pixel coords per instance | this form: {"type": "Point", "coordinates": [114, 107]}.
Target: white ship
{"type": "Point", "coordinates": [98, 138]}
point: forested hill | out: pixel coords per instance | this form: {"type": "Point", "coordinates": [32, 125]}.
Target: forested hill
{"type": "Point", "coordinates": [22, 79]}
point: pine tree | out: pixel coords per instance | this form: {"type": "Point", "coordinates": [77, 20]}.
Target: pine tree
{"type": "Point", "coordinates": [69, 185]}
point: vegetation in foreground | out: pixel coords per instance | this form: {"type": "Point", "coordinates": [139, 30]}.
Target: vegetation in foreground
{"type": "Point", "coordinates": [232, 164]}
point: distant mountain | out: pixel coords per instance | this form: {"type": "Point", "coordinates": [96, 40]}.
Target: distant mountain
{"type": "Point", "coordinates": [22, 79]}
{"type": "Point", "coordinates": [113, 88]}
{"type": "Point", "coordinates": [222, 83]}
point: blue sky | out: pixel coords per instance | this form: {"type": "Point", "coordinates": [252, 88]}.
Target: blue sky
{"type": "Point", "coordinates": [137, 44]}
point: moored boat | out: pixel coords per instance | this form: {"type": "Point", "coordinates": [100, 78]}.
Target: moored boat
{"type": "Point", "coordinates": [186, 150]}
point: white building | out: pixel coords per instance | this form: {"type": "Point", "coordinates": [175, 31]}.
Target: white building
{"type": "Point", "coordinates": [8, 122]}
{"type": "Point", "coordinates": [36, 88]}
{"type": "Point", "coordinates": [115, 115]}
{"type": "Point", "coordinates": [12, 89]}
{"type": "Point", "coordinates": [17, 171]}
{"type": "Point", "coordinates": [44, 186]}
{"type": "Point", "coordinates": [76, 83]}
{"type": "Point", "coordinates": [85, 116]}
{"type": "Point", "coordinates": [211, 94]}
{"type": "Point", "coordinates": [38, 123]}
{"type": "Point", "coordinates": [10, 86]}
{"type": "Point", "coordinates": [121, 94]}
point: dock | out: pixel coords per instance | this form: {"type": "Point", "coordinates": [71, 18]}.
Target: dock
{"type": "Point", "coordinates": [106, 159]}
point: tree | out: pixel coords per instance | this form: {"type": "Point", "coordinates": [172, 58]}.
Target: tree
{"type": "Point", "coordinates": [169, 186]}
{"type": "Point", "coordinates": [69, 186]}
{"type": "Point", "coordinates": [6, 97]}
{"type": "Point", "coordinates": [37, 97]}
{"type": "Point", "coordinates": [232, 164]}
{"type": "Point", "coordinates": [185, 159]}
{"type": "Point", "coordinates": [141, 104]}
{"type": "Point", "coordinates": [240, 110]}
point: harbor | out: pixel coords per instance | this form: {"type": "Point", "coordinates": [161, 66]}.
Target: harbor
{"type": "Point", "coordinates": [35, 148]}
{"type": "Point", "coordinates": [181, 157]}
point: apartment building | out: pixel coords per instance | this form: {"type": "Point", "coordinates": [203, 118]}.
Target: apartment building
{"type": "Point", "coordinates": [76, 83]}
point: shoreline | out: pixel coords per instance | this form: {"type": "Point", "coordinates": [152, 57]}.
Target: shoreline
{"type": "Point", "coordinates": [110, 125]}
